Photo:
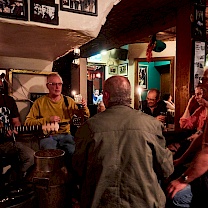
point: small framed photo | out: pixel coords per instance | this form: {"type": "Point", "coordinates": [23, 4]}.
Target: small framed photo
{"type": "Point", "coordinates": [87, 7]}
{"type": "Point", "coordinates": [142, 76]}
{"type": "Point", "coordinates": [123, 69]}
{"type": "Point", "coordinates": [44, 12]}
{"type": "Point", "coordinates": [113, 70]}
{"type": "Point", "coordinates": [14, 9]}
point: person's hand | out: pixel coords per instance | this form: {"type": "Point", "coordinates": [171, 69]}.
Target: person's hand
{"type": "Point", "coordinates": [84, 104]}
{"type": "Point", "coordinates": [55, 119]}
{"type": "Point", "coordinates": [161, 118]}
{"type": "Point", "coordinates": [191, 99]}
{"type": "Point", "coordinates": [203, 102]}
{"type": "Point", "coordinates": [10, 132]}
{"type": "Point", "coordinates": [101, 107]}
{"type": "Point", "coordinates": [193, 137]}
{"type": "Point", "coordinates": [174, 187]}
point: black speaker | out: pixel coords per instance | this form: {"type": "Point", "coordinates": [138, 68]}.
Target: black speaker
{"type": "Point", "coordinates": [120, 54]}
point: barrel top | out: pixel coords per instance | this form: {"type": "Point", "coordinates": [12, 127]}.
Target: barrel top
{"type": "Point", "coordinates": [49, 153]}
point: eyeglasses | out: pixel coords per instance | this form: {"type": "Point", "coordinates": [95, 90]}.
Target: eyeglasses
{"type": "Point", "coordinates": [55, 84]}
{"type": "Point", "coordinates": [150, 99]}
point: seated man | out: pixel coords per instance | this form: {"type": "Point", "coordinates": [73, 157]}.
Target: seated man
{"type": "Point", "coordinates": [120, 154]}
{"type": "Point", "coordinates": [54, 107]}
{"type": "Point", "coordinates": [9, 118]}
{"type": "Point", "coordinates": [154, 106]}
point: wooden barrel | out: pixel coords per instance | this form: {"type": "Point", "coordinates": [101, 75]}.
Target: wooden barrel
{"type": "Point", "coordinates": [50, 178]}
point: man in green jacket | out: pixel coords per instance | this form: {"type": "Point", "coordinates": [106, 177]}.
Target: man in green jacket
{"type": "Point", "coordinates": [121, 154]}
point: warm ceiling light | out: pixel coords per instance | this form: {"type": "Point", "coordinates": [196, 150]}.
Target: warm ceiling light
{"type": "Point", "coordinates": [98, 75]}
{"type": "Point", "coordinates": [103, 52]}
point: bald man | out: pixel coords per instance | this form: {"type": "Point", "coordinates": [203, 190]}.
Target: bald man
{"type": "Point", "coordinates": [120, 154]}
{"type": "Point", "coordinates": [153, 105]}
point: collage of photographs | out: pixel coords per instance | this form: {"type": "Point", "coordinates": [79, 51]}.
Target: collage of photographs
{"type": "Point", "coordinates": [45, 11]}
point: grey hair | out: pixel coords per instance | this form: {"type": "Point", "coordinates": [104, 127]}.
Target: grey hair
{"type": "Point", "coordinates": [54, 75]}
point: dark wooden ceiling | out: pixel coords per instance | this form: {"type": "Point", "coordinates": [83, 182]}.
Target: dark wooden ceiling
{"type": "Point", "coordinates": [135, 21]}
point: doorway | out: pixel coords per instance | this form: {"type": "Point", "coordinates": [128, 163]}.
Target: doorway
{"type": "Point", "coordinates": [95, 79]}
{"type": "Point", "coordinates": [165, 78]}
{"type": "Point", "coordinates": [160, 75]}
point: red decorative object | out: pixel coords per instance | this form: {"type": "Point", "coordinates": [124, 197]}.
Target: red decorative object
{"type": "Point", "coordinates": [150, 47]}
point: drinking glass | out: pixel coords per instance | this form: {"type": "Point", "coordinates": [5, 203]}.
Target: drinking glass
{"type": "Point", "coordinates": [78, 100]}
{"type": "Point", "coordinates": [165, 117]}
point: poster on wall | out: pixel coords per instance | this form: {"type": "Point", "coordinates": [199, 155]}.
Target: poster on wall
{"type": "Point", "coordinates": [199, 22]}
{"type": "Point", "coordinates": [199, 61]}
{"type": "Point", "coordinates": [14, 9]}
{"type": "Point", "coordinates": [142, 76]}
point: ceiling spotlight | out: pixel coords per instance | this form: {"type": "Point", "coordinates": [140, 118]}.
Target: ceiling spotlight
{"type": "Point", "coordinates": [103, 52]}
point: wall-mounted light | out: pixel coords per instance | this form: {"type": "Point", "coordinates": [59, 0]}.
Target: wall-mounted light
{"type": "Point", "coordinates": [103, 52]}
{"type": "Point", "coordinates": [98, 75]}
{"type": "Point", "coordinates": [76, 56]}
{"type": "Point", "coordinates": [76, 52]}
{"type": "Point", "coordinates": [76, 61]}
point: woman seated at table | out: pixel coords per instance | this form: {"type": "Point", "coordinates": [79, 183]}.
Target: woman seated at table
{"type": "Point", "coordinates": [167, 98]}
{"type": "Point", "coordinates": [195, 121]}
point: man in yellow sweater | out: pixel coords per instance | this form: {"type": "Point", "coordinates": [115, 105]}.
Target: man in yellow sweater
{"type": "Point", "coordinates": [55, 107]}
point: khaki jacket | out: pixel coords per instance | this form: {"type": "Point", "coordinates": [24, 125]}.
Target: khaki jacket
{"type": "Point", "coordinates": [120, 156]}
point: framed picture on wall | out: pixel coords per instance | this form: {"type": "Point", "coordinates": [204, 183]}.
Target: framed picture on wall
{"type": "Point", "coordinates": [87, 7]}
{"type": "Point", "coordinates": [14, 9]}
{"type": "Point", "coordinates": [44, 12]}
{"type": "Point", "coordinates": [113, 70]}
{"type": "Point", "coordinates": [142, 76]}
{"type": "Point", "coordinates": [123, 69]}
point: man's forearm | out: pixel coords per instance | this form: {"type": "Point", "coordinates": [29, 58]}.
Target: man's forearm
{"type": "Point", "coordinates": [198, 167]}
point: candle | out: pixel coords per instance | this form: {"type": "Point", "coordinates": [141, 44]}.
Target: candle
{"type": "Point", "coordinates": [73, 93]}
{"type": "Point", "coordinates": [140, 93]}
{"type": "Point", "coordinates": [140, 97]}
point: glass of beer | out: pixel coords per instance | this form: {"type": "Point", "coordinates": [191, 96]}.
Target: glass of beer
{"type": "Point", "coordinates": [78, 100]}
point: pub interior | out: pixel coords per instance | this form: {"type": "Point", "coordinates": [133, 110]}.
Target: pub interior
{"type": "Point", "coordinates": [86, 47]}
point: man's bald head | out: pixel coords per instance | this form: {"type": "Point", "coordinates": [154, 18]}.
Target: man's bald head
{"type": "Point", "coordinates": [117, 91]}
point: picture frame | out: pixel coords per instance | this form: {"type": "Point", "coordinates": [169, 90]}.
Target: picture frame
{"type": "Point", "coordinates": [113, 70]}
{"type": "Point", "coordinates": [35, 95]}
{"type": "Point", "coordinates": [143, 76]}
{"type": "Point", "coordinates": [87, 7]}
{"type": "Point", "coordinates": [14, 9]}
{"type": "Point", "coordinates": [199, 22]}
{"type": "Point", "coordinates": [123, 69]}
{"type": "Point", "coordinates": [44, 12]}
